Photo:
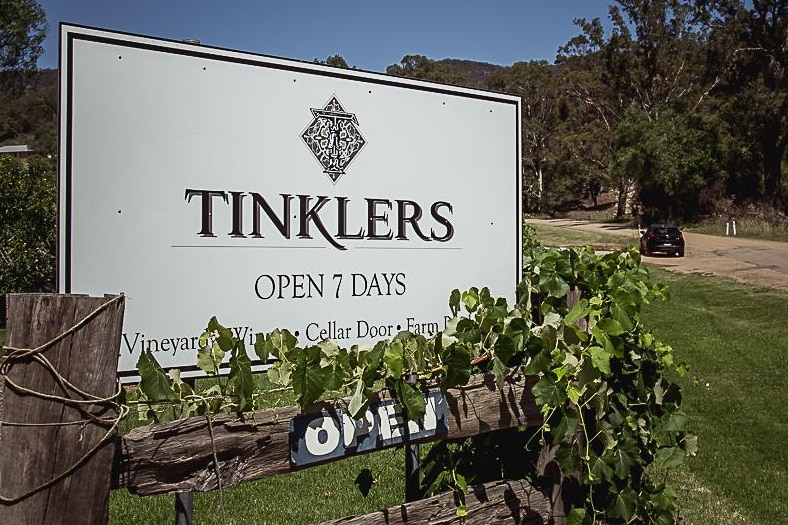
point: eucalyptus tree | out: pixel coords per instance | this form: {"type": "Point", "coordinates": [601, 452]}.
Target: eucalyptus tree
{"type": "Point", "coordinates": [679, 159]}
{"type": "Point", "coordinates": [649, 61]}
{"type": "Point", "coordinates": [23, 27]}
{"type": "Point", "coordinates": [28, 215]}
{"type": "Point", "coordinates": [538, 86]}
{"type": "Point", "coordinates": [423, 68]}
{"type": "Point", "coordinates": [748, 60]}
{"type": "Point", "coordinates": [593, 108]}
{"type": "Point", "coordinates": [335, 61]}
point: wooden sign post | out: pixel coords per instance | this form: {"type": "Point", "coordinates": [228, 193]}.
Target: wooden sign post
{"type": "Point", "coordinates": [60, 411]}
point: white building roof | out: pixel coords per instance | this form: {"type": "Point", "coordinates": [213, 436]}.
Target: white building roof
{"type": "Point", "coordinates": [21, 148]}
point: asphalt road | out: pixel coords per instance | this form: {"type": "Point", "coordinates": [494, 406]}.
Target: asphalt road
{"type": "Point", "coordinates": [756, 262]}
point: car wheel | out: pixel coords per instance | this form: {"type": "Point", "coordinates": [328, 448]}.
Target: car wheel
{"type": "Point", "coordinates": [680, 253]}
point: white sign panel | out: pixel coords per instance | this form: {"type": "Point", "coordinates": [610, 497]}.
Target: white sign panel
{"type": "Point", "coordinates": [271, 193]}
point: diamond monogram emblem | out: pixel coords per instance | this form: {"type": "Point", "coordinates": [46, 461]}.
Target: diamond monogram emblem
{"type": "Point", "coordinates": [333, 138]}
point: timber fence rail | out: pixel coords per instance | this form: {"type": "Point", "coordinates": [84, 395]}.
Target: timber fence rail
{"type": "Point", "coordinates": [256, 445]}
{"type": "Point", "coordinates": [510, 502]}
{"type": "Point", "coordinates": [59, 410]}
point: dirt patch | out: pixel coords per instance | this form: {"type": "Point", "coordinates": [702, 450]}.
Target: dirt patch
{"type": "Point", "coordinates": [754, 262]}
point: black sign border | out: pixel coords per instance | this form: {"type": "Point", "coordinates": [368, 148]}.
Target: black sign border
{"type": "Point", "coordinates": [76, 32]}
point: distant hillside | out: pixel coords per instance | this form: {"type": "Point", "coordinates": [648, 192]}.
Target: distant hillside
{"type": "Point", "coordinates": [478, 73]}
{"type": "Point", "coordinates": [30, 116]}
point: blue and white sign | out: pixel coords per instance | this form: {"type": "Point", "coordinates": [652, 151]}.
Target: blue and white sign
{"type": "Point", "coordinates": [332, 434]}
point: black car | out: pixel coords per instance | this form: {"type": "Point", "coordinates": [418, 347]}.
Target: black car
{"type": "Point", "coordinates": [662, 238]}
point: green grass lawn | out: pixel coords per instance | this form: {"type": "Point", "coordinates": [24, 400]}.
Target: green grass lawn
{"type": "Point", "coordinates": [308, 496]}
{"type": "Point", "coordinates": [565, 237]}
{"type": "Point", "coordinates": [733, 338]}
{"type": "Point", "coordinates": [748, 228]}
{"type": "Point", "coordinates": [736, 344]}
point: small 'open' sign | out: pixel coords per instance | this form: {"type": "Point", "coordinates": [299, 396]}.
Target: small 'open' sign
{"type": "Point", "coordinates": [333, 433]}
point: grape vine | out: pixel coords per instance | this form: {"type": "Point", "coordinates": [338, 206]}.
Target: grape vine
{"type": "Point", "coordinates": [606, 386]}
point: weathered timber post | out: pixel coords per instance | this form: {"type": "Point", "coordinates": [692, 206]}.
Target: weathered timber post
{"type": "Point", "coordinates": [4, 302]}
{"type": "Point", "coordinates": [60, 415]}
{"type": "Point", "coordinates": [412, 473]}
{"type": "Point", "coordinates": [184, 501]}
{"type": "Point", "coordinates": [412, 468]}
{"type": "Point", "coordinates": [184, 508]}
{"type": "Point", "coordinates": [565, 494]}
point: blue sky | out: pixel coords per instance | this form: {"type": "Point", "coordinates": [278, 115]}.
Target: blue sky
{"type": "Point", "coordinates": [369, 34]}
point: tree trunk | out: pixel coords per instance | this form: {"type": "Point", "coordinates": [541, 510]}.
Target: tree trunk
{"type": "Point", "coordinates": [773, 152]}
{"type": "Point", "coordinates": [539, 183]}
{"type": "Point", "coordinates": [566, 490]}
{"type": "Point", "coordinates": [621, 205]}
{"type": "Point", "coordinates": [626, 197]}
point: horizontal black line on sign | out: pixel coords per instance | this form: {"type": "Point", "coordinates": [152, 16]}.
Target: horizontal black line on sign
{"type": "Point", "coordinates": [247, 246]}
{"type": "Point", "coordinates": [194, 368]}
{"type": "Point", "coordinates": [206, 52]}
{"type": "Point", "coordinates": [314, 247]}
{"type": "Point", "coordinates": [405, 248]}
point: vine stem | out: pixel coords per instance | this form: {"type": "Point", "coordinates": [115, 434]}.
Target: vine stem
{"type": "Point", "coordinates": [481, 359]}
{"type": "Point", "coordinates": [216, 466]}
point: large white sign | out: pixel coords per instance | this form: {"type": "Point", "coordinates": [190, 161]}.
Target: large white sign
{"type": "Point", "coordinates": [271, 193]}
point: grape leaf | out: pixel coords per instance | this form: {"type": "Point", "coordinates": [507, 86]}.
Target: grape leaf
{"type": "Point", "coordinates": [153, 381]}
{"type": "Point", "coordinates": [308, 378]}
{"type": "Point", "coordinates": [412, 399]}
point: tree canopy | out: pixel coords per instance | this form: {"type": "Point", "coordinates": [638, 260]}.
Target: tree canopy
{"type": "Point", "coordinates": [27, 225]}
{"type": "Point", "coordinates": [423, 68]}
{"type": "Point", "coordinates": [23, 27]}
{"type": "Point", "coordinates": [676, 107]}
{"type": "Point", "coordinates": [335, 61]}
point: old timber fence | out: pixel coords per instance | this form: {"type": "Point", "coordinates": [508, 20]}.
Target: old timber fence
{"type": "Point", "coordinates": [60, 453]}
